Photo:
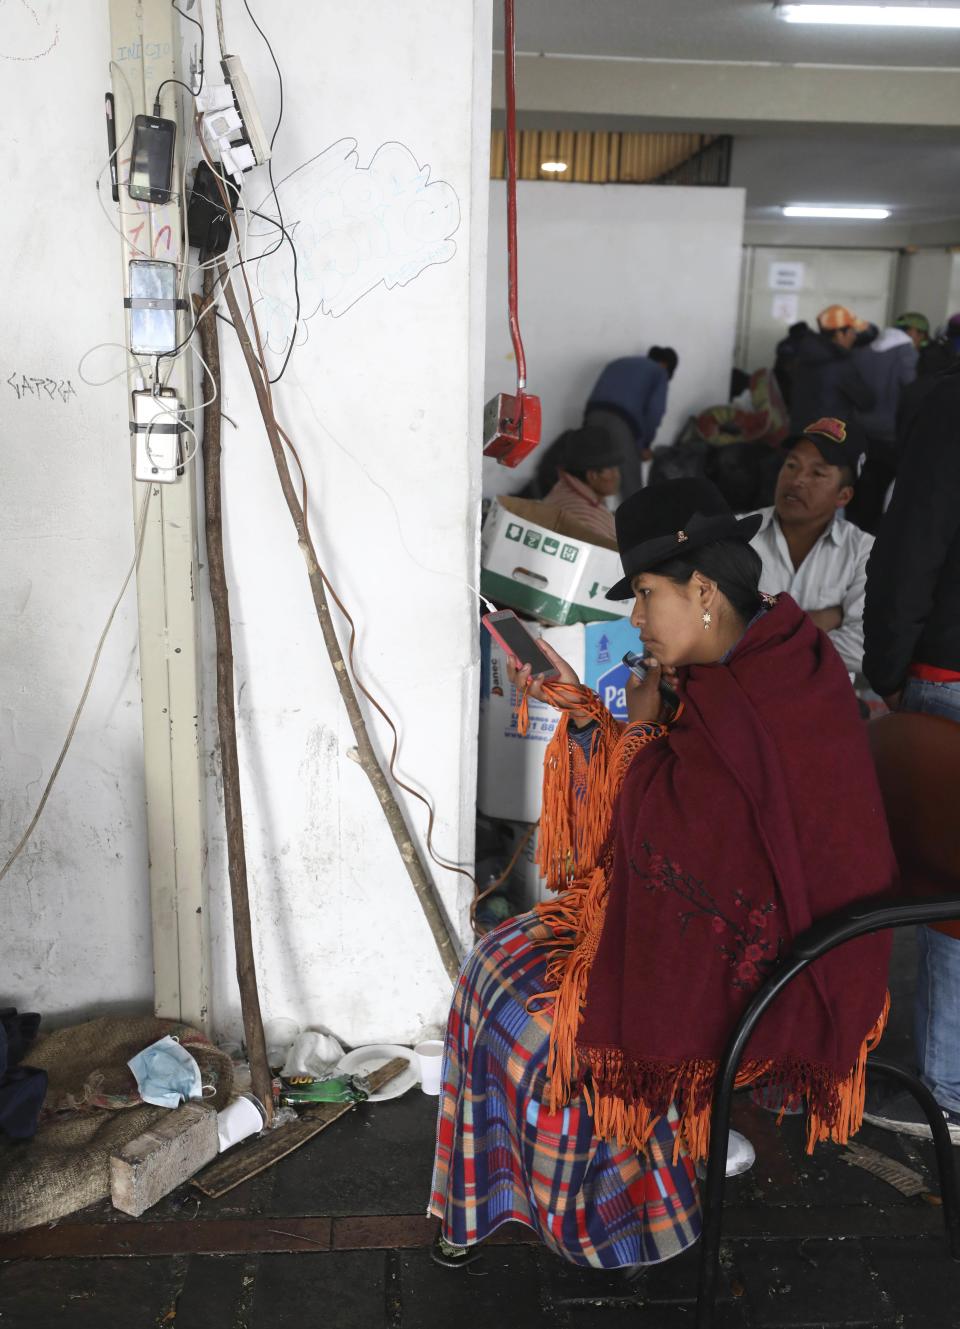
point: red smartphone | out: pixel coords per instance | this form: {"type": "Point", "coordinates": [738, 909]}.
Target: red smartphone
{"type": "Point", "coordinates": [506, 629]}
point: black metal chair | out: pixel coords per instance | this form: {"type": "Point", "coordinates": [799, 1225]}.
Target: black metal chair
{"type": "Point", "coordinates": [825, 935]}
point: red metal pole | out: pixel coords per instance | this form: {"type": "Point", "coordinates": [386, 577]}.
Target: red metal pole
{"type": "Point", "coordinates": [510, 61]}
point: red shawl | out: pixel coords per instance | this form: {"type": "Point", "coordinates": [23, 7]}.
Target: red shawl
{"type": "Point", "coordinates": [701, 851]}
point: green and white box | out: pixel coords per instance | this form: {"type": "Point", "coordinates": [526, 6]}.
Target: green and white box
{"type": "Point", "coordinates": [534, 559]}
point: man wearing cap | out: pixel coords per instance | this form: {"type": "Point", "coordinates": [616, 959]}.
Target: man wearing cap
{"type": "Point", "coordinates": [916, 326]}
{"type": "Point", "coordinates": [589, 474]}
{"type": "Point", "coordinates": [936, 356]}
{"type": "Point", "coordinates": [807, 548]}
{"type": "Point", "coordinates": [825, 379]}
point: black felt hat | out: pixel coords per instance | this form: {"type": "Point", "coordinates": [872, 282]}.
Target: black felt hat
{"type": "Point", "coordinates": [589, 448]}
{"type": "Point", "coordinates": [676, 517]}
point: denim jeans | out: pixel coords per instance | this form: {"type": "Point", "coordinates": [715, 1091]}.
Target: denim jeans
{"type": "Point", "coordinates": [932, 698]}
{"type": "Point", "coordinates": [937, 1009]}
{"type": "Point", "coordinates": [937, 1016]}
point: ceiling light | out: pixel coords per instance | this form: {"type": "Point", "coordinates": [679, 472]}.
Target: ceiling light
{"type": "Point", "coordinates": [873, 16]}
{"type": "Point", "coordinates": [829, 211]}
{"type": "Point", "coordinates": [554, 168]}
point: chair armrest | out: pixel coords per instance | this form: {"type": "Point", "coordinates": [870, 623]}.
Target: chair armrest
{"type": "Point", "coordinates": [873, 915]}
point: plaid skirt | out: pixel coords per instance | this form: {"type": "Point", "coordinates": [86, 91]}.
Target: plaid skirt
{"type": "Point", "coordinates": [501, 1156]}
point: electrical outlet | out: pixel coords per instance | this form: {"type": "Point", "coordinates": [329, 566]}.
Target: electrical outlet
{"type": "Point", "coordinates": [156, 430]}
{"type": "Point", "coordinates": [243, 95]}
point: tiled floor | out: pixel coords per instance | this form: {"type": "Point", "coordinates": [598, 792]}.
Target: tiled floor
{"type": "Point", "coordinates": [334, 1236]}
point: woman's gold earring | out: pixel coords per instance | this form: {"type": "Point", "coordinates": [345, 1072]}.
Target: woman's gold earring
{"type": "Point", "coordinates": [707, 620]}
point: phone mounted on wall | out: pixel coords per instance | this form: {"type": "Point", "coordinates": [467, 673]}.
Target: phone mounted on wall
{"type": "Point", "coordinates": [153, 303]}
{"type": "Point", "coordinates": [151, 161]}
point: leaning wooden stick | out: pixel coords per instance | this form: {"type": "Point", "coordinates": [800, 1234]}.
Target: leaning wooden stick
{"type": "Point", "coordinates": [367, 757]}
{"type": "Point", "coordinates": [260, 1076]}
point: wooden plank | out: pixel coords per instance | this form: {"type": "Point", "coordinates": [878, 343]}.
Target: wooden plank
{"type": "Point", "coordinates": [142, 1237]}
{"type": "Point", "coordinates": [255, 1155]}
{"type": "Point", "coordinates": [398, 1232]}
{"type": "Point", "coordinates": [145, 1238]}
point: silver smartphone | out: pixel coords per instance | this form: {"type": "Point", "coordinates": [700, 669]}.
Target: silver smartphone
{"type": "Point", "coordinates": [153, 308]}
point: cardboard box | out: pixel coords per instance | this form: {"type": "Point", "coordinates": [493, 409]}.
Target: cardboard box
{"type": "Point", "coordinates": [535, 559]}
{"type": "Point", "coordinates": [510, 776]}
{"type": "Point", "coordinates": [603, 669]}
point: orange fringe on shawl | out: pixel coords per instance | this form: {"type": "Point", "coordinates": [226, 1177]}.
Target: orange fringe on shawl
{"type": "Point", "coordinates": [578, 799]}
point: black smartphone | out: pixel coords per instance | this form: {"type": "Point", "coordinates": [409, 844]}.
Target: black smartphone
{"type": "Point", "coordinates": [151, 162]}
{"type": "Point", "coordinates": [638, 667]}
{"type": "Point", "coordinates": [506, 628]}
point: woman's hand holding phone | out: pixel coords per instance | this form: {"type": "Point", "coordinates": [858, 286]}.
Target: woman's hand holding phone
{"type": "Point", "coordinates": [644, 700]}
{"type": "Point", "coordinates": [534, 682]}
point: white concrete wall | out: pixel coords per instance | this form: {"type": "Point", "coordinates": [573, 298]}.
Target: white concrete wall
{"type": "Point", "coordinates": [924, 284]}
{"type": "Point", "coordinates": [384, 403]}
{"type": "Point", "coordinates": [861, 279]}
{"type": "Point", "coordinates": [605, 271]}
{"type": "Point", "coordinates": [953, 294]}
{"type": "Point", "coordinates": [74, 912]}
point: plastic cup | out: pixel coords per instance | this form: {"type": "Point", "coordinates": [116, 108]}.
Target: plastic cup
{"type": "Point", "coordinates": [241, 1118]}
{"type": "Point", "coordinates": [429, 1055]}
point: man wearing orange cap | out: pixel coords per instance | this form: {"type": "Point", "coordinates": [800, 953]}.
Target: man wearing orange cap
{"type": "Point", "coordinates": [826, 381]}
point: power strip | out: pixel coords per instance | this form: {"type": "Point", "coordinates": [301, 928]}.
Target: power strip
{"type": "Point", "coordinates": [243, 96]}
{"type": "Point", "coordinates": [156, 430]}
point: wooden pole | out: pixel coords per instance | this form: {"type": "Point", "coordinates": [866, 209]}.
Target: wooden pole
{"type": "Point", "coordinates": [260, 1077]}
{"type": "Point", "coordinates": [366, 755]}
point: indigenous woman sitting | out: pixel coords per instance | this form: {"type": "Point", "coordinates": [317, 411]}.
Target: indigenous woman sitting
{"type": "Point", "coordinates": [687, 849]}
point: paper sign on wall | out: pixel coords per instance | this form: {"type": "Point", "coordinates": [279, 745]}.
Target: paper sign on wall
{"type": "Point", "coordinates": [785, 276]}
{"type": "Point", "coordinates": [785, 308]}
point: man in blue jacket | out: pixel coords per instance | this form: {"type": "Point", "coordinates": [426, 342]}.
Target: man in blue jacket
{"type": "Point", "coordinates": [628, 401]}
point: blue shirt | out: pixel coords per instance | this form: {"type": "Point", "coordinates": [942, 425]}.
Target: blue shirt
{"type": "Point", "coordinates": [635, 388]}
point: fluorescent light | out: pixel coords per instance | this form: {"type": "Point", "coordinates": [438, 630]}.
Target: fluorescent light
{"type": "Point", "coordinates": [874, 16]}
{"type": "Point", "coordinates": [827, 211]}
{"type": "Point", "coordinates": [554, 168]}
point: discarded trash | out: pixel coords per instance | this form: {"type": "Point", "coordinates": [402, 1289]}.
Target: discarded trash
{"type": "Point", "coordinates": [239, 1120]}
{"type": "Point", "coordinates": [333, 1089]}
{"type": "Point", "coordinates": [367, 1060]}
{"type": "Point", "coordinates": [313, 1054]}
{"type": "Point", "coordinates": [279, 1034]}
{"type": "Point", "coordinates": [898, 1175]}
{"type": "Point", "coordinates": [741, 1156]}
{"type": "Point", "coordinates": [166, 1073]}
{"type": "Point", "coordinates": [429, 1056]}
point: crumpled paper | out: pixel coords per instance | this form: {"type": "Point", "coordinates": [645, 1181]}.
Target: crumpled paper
{"type": "Point", "coordinates": [314, 1055]}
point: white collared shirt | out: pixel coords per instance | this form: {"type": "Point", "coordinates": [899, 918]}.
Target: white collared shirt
{"type": "Point", "coordinates": [833, 573]}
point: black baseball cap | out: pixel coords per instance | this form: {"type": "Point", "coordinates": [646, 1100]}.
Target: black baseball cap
{"type": "Point", "coordinates": [839, 442]}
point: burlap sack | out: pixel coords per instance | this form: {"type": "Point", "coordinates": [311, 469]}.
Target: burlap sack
{"type": "Point", "coordinates": [92, 1110]}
